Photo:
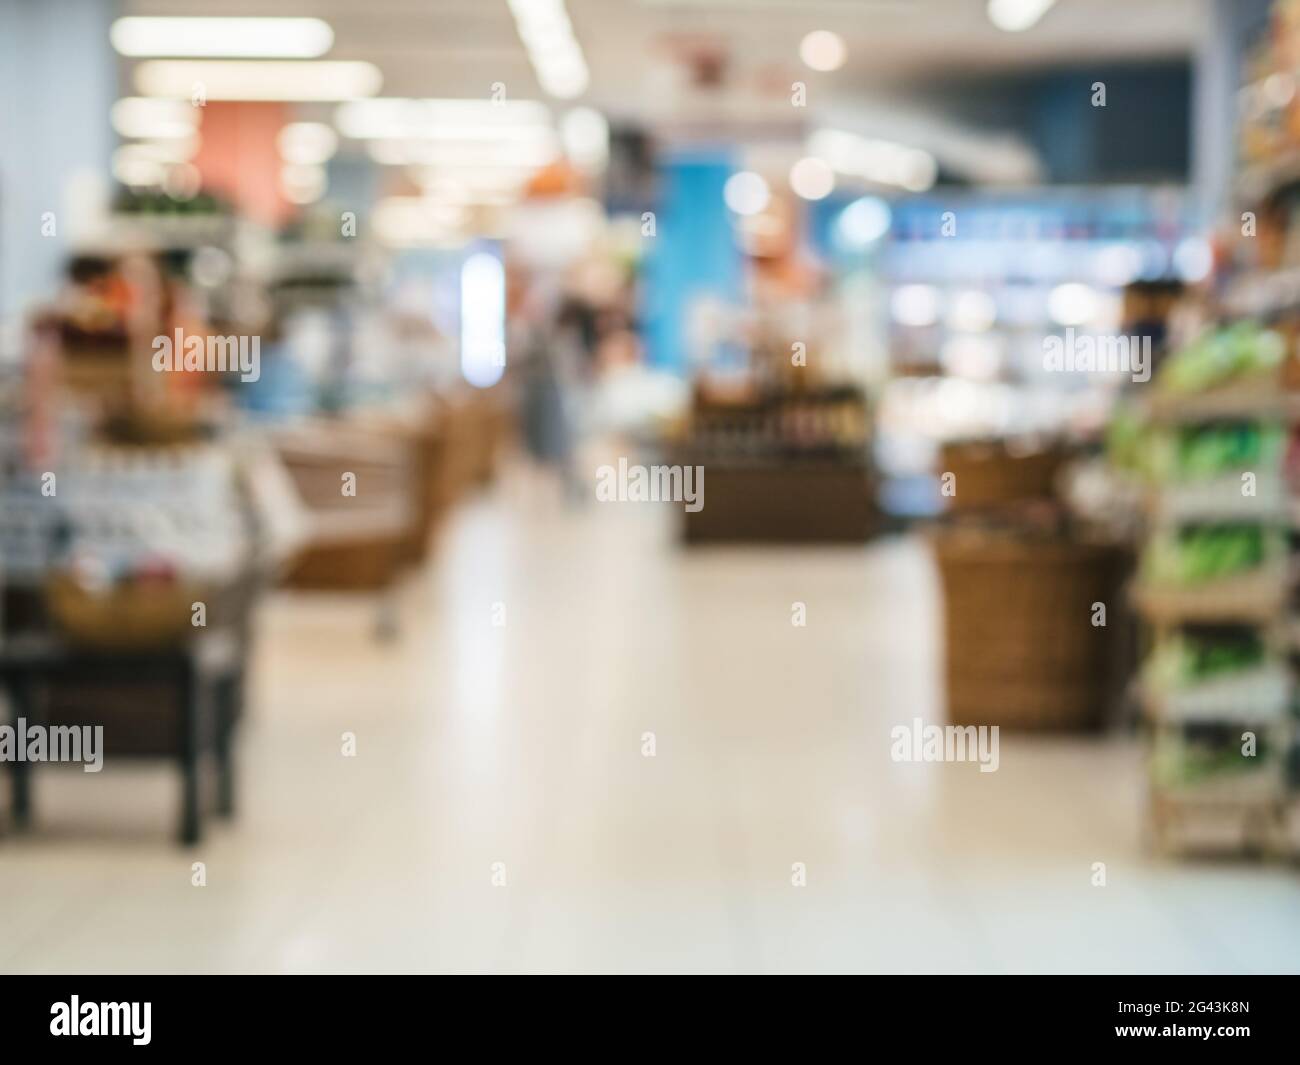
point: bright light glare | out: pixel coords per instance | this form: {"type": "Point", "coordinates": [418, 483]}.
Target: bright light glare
{"type": "Point", "coordinates": [585, 135]}
{"type": "Point", "coordinates": [915, 305]}
{"type": "Point", "coordinates": [306, 143]}
{"type": "Point", "coordinates": [394, 118]}
{"type": "Point", "coordinates": [746, 193]}
{"type": "Point", "coordinates": [863, 222]}
{"type": "Point", "coordinates": [482, 319]}
{"type": "Point", "coordinates": [1073, 304]}
{"type": "Point", "coordinates": [266, 38]}
{"type": "Point", "coordinates": [302, 183]}
{"type": "Point", "coordinates": [1016, 16]}
{"type": "Point", "coordinates": [823, 50]}
{"type": "Point", "coordinates": [140, 117]}
{"type": "Point", "coordinates": [883, 162]}
{"type": "Point", "coordinates": [236, 79]}
{"type": "Point", "coordinates": [812, 178]}
{"type": "Point", "coordinates": [1193, 259]}
{"type": "Point", "coordinates": [972, 311]}
{"type": "Point", "coordinates": [554, 52]}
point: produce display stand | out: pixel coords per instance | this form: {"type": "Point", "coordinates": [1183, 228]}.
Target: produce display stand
{"type": "Point", "coordinates": [781, 467]}
{"type": "Point", "coordinates": [1243, 804]}
{"type": "Point", "coordinates": [180, 702]}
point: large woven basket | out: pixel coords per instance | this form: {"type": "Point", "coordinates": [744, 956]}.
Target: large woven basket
{"type": "Point", "coordinates": [1022, 649]}
{"type": "Point", "coordinates": [127, 616]}
{"type": "Point", "coordinates": [986, 474]}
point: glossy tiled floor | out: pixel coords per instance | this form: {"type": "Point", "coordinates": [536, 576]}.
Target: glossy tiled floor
{"type": "Point", "coordinates": [481, 743]}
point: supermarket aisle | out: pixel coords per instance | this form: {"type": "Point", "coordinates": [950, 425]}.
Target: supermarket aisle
{"type": "Point", "coordinates": [521, 743]}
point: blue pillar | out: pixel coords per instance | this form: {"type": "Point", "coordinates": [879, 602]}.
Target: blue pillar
{"type": "Point", "coordinates": [693, 252]}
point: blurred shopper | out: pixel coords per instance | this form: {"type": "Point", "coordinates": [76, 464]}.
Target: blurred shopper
{"type": "Point", "coordinates": [549, 350]}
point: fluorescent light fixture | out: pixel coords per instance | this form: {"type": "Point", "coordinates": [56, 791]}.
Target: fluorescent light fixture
{"type": "Point", "coordinates": [433, 153]}
{"type": "Point", "coordinates": [395, 118]}
{"type": "Point", "coordinates": [482, 319]}
{"type": "Point", "coordinates": [553, 50]}
{"type": "Point", "coordinates": [746, 192]}
{"type": "Point", "coordinates": [305, 143]}
{"type": "Point", "coordinates": [266, 38]}
{"type": "Point", "coordinates": [251, 79]}
{"type": "Point", "coordinates": [882, 162]}
{"type": "Point", "coordinates": [1016, 16]}
{"type": "Point", "coordinates": [142, 117]}
{"type": "Point", "coordinates": [823, 50]}
{"type": "Point", "coordinates": [812, 178]}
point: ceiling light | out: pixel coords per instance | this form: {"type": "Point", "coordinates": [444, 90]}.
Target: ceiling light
{"type": "Point", "coordinates": [746, 193]}
{"type": "Point", "coordinates": [1016, 16]}
{"type": "Point", "coordinates": [863, 222]}
{"type": "Point", "coordinates": [554, 52]}
{"type": "Point", "coordinates": [302, 183]}
{"type": "Point", "coordinates": [812, 178]}
{"type": "Point", "coordinates": [395, 118]}
{"type": "Point", "coordinates": [882, 162]}
{"type": "Point", "coordinates": [307, 142]}
{"type": "Point", "coordinates": [585, 135]}
{"type": "Point", "coordinates": [271, 38]}
{"type": "Point", "coordinates": [915, 305]}
{"type": "Point", "coordinates": [1073, 304]}
{"type": "Point", "coordinates": [140, 116]}
{"type": "Point", "coordinates": [972, 311]}
{"type": "Point", "coordinates": [433, 153]}
{"type": "Point", "coordinates": [917, 170]}
{"type": "Point", "coordinates": [136, 165]}
{"type": "Point", "coordinates": [823, 50]}
{"type": "Point", "coordinates": [564, 81]}
{"type": "Point", "coordinates": [236, 79]}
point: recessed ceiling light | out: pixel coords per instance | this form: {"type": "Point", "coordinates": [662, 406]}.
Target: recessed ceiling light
{"type": "Point", "coordinates": [273, 38]}
{"type": "Point", "coordinates": [823, 50]}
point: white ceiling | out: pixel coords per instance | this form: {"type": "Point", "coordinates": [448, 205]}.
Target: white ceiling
{"type": "Point", "coordinates": [638, 50]}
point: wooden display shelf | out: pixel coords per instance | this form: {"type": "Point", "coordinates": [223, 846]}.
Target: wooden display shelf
{"type": "Point", "coordinates": [1255, 598]}
{"type": "Point", "coordinates": [1259, 398]}
{"type": "Point", "coordinates": [794, 502]}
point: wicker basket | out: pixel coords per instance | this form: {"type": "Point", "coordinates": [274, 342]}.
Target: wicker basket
{"type": "Point", "coordinates": [1022, 651]}
{"type": "Point", "coordinates": [987, 474]}
{"type": "Point", "coordinates": [126, 617]}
